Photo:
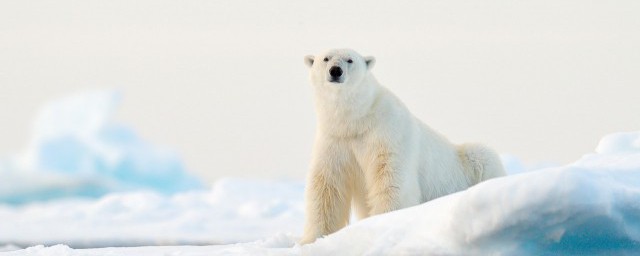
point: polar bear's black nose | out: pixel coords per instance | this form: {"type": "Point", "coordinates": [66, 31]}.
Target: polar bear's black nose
{"type": "Point", "coordinates": [335, 71]}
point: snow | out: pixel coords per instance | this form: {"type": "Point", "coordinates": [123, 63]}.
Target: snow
{"type": "Point", "coordinates": [86, 181]}
{"type": "Point", "coordinates": [234, 210]}
{"type": "Point", "coordinates": [280, 245]}
{"type": "Point", "coordinates": [575, 210]}
{"type": "Point", "coordinates": [590, 207]}
{"type": "Point", "coordinates": [77, 149]}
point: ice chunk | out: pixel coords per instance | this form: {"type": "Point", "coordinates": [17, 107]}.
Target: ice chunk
{"type": "Point", "coordinates": [78, 149]}
{"type": "Point", "coordinates": [622, 142]}
{"type": "Point", "coordinates": [513, 165]}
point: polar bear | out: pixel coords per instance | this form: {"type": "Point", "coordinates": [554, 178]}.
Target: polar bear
{"type": "Point", "coordinates": [371, 154]}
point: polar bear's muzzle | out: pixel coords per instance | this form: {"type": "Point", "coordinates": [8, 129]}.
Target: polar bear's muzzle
{"type": "Point", "coordinates": [335, 74]}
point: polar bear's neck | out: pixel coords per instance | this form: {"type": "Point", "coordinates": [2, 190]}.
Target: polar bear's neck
{"type": "Point", "coordinates": [346, 112]}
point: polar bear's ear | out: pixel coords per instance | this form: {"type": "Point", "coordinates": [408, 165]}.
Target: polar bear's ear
{"type": "Point", "coordinates": [370, 61]}
{"type": "Point", "coordinates": [308, 60]}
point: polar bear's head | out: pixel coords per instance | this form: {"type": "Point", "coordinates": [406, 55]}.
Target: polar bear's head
{"type": "Point", "coordinates": [338, 67]}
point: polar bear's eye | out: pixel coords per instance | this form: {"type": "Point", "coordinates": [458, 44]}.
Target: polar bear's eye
{"type": "Point", "coordinates": [326, 59]}
{"type": "Point", "coordinates": [350, 61]}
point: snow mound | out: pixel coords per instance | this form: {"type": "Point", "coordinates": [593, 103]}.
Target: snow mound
{"type": "Point", "coordinates": [590, 207]}
{"type": "Point", "coordinates": [77, 149]}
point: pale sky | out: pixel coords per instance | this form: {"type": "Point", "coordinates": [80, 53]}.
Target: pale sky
{"type": "Point", "coordinates": [224, 84]}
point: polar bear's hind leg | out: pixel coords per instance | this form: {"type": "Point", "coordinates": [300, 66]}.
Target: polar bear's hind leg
{"type": "Point", "coordinates": [481, 162]}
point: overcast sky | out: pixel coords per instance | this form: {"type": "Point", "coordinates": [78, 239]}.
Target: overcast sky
{"type": "Point", "coordinates": [224, 84]}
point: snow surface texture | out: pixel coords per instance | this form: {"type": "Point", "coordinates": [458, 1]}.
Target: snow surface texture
{"type": "Point", "coordinates": [233, 211]}
{"type": "Point", "coordinates": [589, 207]}
{"type": "Point", "coordinates": [77, 149]}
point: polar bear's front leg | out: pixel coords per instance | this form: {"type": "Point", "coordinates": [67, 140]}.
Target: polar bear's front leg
{"type": "Point", "coordinates": [327, 201]}
{"type": "Point", "coordinates": [383, 185]}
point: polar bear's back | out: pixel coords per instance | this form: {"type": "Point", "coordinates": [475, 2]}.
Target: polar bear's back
{"type": "Point", "coordinates": [429, 164]}
{"type": "Point", "coordinates": [442, 173]}
{"type": "Point", "coordinates": [442, 167]}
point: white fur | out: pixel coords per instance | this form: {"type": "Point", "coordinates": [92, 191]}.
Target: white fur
{"type": "Point", "coordinates": [372, 154]}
